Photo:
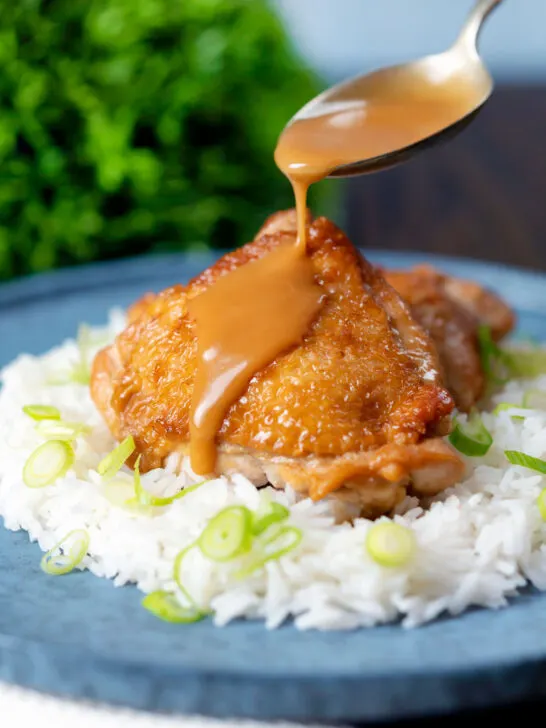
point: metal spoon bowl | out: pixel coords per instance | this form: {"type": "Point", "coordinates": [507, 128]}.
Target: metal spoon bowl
{"type": "Point", "coordinates": [461, 61]}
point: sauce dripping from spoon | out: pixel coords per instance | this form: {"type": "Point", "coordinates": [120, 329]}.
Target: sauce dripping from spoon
{"type": "Point", "coordinates": [256, 312]}
{"type": "Point", "coordinates": [367, 119]}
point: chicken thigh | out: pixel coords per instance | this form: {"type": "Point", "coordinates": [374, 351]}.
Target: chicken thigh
{"type": "Point", "coordinates": [451, 310]}
{"type": "Point", "coordinates": [357, 409]}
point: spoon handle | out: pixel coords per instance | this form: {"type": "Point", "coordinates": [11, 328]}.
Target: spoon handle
{"type": "Point", "coordinates": [471, 29]}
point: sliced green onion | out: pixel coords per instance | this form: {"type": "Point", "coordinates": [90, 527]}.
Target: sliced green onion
{"type": "Point", "coordinates": [42, 412]}
{"type": "Point", "coordinates": [47, 463]}
{"type": "Point", "coordinates": [488, 349]}
{"type": "Point", "coordinates": [526, 461]}
{"type": "Point", "coordinates": [471, 438]}
{"type": "Point", "coordinates": [534, 399]}
{"type": "Point", "coordinates": [228, 534]}
{"type": "Point", "coordinates": [277, 513]}
{"type": "Point", "coordinates": [164, 605]}
{"type": "Point", "coordinates": [390, 544]}
{"type": "Point", "coordinates": [142, 496]}
{"type": "Point", "coordinates": [110, 465]}
{"type": "Point", "coordinates": [283, 541]}
{"type": "Point", "coordinates": [81, 372]}
{"type": "Point", "coordinates": [121, 493]}
{"type": "Point", "coordinates": [177, 574]}
{"type": "Point", "coordinates": [541, 503]}
{"type": "Point", "coordinates": [498, 364]}
{"type": "Point", "coordinates": [147, 499]}
{"type": "Point", "coordinates": [67, 554]}
{"type": "Point", "coordinates": [167, 500]}
{"type": "Point", "coordinates": [526, 363]}
{"type": "Point", "coordinates": [141, 502]}
{"type": "Point", "coordinates": [84, 340]}
{"type": "Point", "coordinates": [74, 376]}
{"type": "Point", "coordinates": [60, 430]}
{"type": "Point", "coordinates": [494, 360]}
{"type": "Point", "coordinates": [58, 380]}
{"type": "Point", "coordinates": [506, 407]}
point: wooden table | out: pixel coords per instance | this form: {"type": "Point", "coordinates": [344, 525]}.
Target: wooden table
{"type": "Point", "coordinates": [481, 195]}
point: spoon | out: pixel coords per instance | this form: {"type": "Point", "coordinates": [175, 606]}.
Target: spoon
{"type": "Point", "coordinates": [459, 67]}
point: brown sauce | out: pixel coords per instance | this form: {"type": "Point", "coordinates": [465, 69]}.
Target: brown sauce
{"type": "Point", "coordinates": [245, 320]}
{"type": "Point", "coordinates": [259, 310]}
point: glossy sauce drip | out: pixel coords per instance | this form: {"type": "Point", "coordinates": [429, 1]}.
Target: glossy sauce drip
{"type": "Point", "coordinates": [300, 187]}
{"type": "Point", "coordinates": [246, 319]}
{"type": "Point", "coordinates": [254, 313]}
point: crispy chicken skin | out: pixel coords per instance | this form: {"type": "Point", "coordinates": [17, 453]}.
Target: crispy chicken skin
{"type": "Point", "coordinates": [451, 310]}
{"type": "Point", "coordinates": [357, 409]}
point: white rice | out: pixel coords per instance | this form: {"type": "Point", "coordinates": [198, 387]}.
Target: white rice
{"type": "Point", "coordinates": [478, 543]}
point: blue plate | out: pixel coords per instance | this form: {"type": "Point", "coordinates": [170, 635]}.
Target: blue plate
{"type": "Point", "coordinates": [80, 636]}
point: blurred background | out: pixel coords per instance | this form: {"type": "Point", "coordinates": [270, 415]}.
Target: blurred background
{"type": "Point", "coordinates": [343, 37]}
{"type": "Point", "coordinates": [481, 195]}
{"type": "Point", "coordinates": [129, 126]}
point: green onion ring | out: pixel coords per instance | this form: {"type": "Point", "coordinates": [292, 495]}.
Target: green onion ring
{"type": "Point", "coordinates": [530, 399]}
{"type": "Point", "coordinates": [516, 457]}
{"type": "Point", "coordinates": [47, 463]}
{"type": "Point", "coordinates": [42, 412]}
{"type": "Point", "coordinates": [65, 556]}
{"type": "Point", "coordinates": [277, 513]}
{"type": "Point", "coordinates": [111, 464]}
{"type": "Point", "coordinates": [506, 407]}
{"type": "Point", "coordinates": [390, 544]}
{"type": "Point", "coordinates": [471, 438]}
{"type": "Point", "coordinates": [164, 605]}
{"type": "Point", "coordinates": [283, 541]}
{"type": "Point", "coordinates": [228, 534]}
{"type": "Point", "coordinates": [61, 430]}
{"type": "Point", "coordinates": [541, 503]}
